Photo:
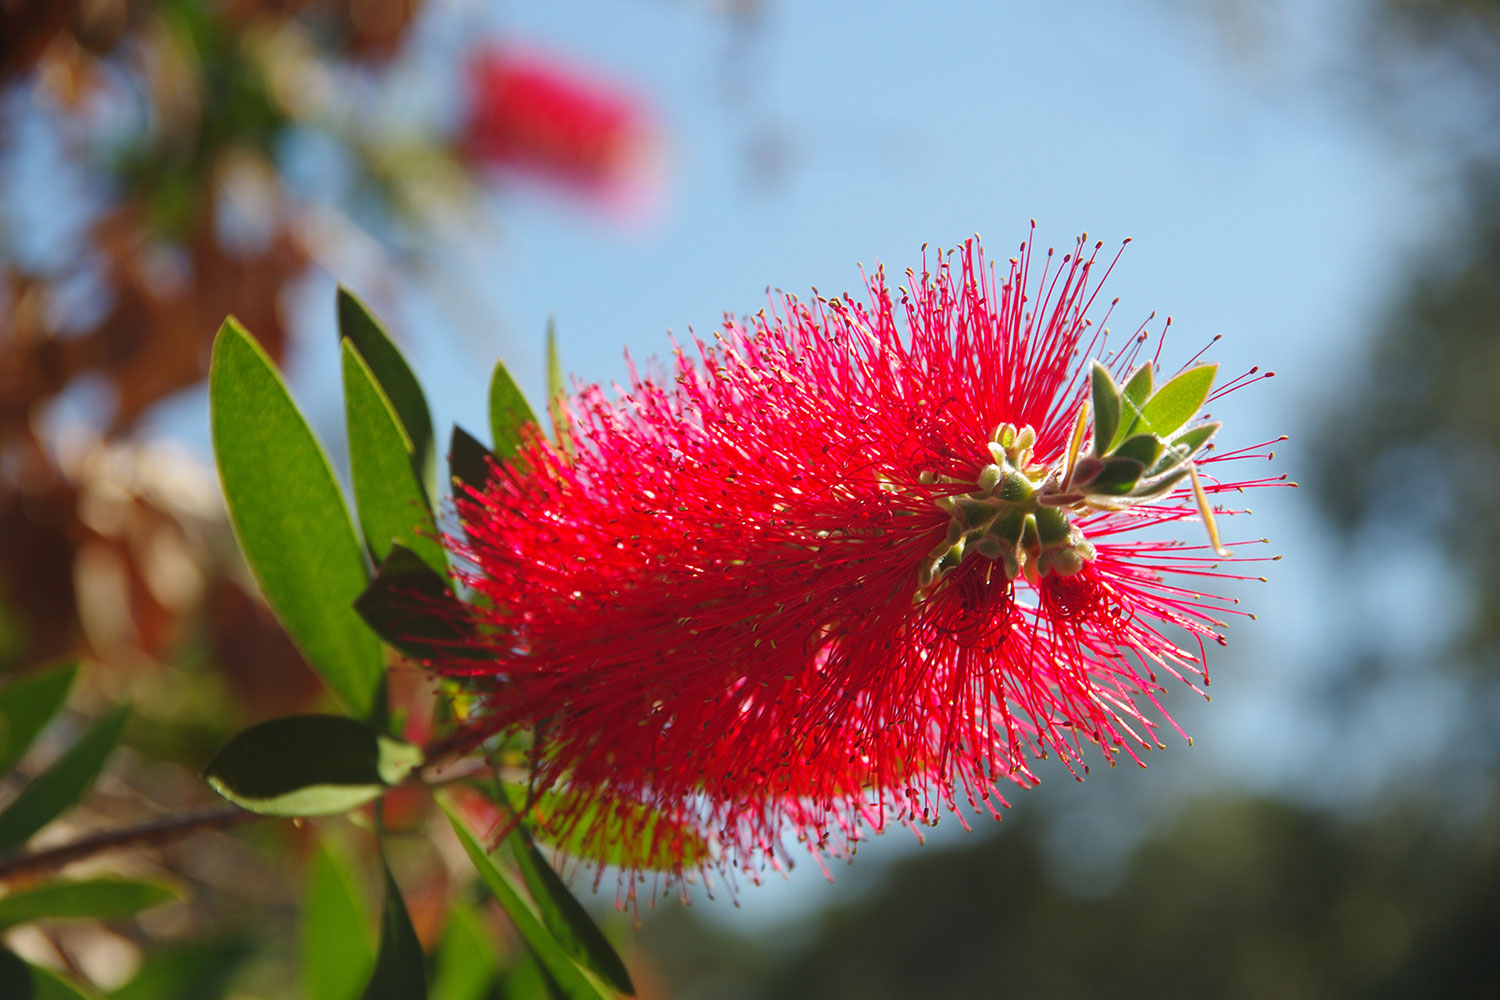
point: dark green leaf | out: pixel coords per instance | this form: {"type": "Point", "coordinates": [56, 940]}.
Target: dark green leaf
{"type": "Point", "coordinates": [557, 394]}
{"type": "Point", "coordinates": [392, 503]}
{"type": "Point", "coordinates": [1118, 476]}
{"type": "Point", "coordinates": [570, 979]}
{"type": "Point", "coordinates": [509, 411]}
{"type": "Point", "coordinates": [1106, 401]}
{"type": "Point", "coordinates": [21, 981]}
{"type": "Point", "coordinates": [1183, 447]}
{"type": "Point", "coordinates": [1150, 489]}
{"type": "Point", "coordinates": [50, 793]}
{"type": "Point", "coordinates": [1142, 448]}
{"type": "Point", "coordinates": [1137, 391]}
{"type": "Point", "coordinates": [400, 966]}
{"type": "Point", "coordinates": [338, 947]}
{"type": "Point", "coordinates": [198, 970]}
{"type": "Point", "coordinates": [309, 765]}
{"type": "Point", "coordinates": [466, 965]}
{"type": "Point", "coordinates": [28, 704]}
{"type": "Point", "coordinates": [468, 460]}
{"type": "Point", "coordinates": [569, 924]}
{"type": "Point", "coordinates": [84, 899]}
{"type": "Point", "coordinates": [1178, 401]}
{"type": "Point", "coordinates": [394, 375]}
{"type": "Point", "coordinates": [290, 518]}
{"type": "Point", "coordinates": [412, 609]}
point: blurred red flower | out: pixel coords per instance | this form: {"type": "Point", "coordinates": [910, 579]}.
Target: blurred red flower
{"type": "Point", "coordinates": [840, 568]}
{"type": "Point", "coordinates": [532, 114]}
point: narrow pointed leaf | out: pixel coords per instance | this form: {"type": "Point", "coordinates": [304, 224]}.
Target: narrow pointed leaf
{"type": "Point", "coordinates": [1118, 476]}
{"type": "Point", "coordinates": [1178, 401]}
{"type": "Point", "coordinates": [309, 765]}
{"type": "Point", "coordinates": [290, 519]}
{"type": "Point", "coordinates": [557, 394]}
{"type": "Point", "coordinates": [27, 704]}
{"type": "Point", "coordinates": [52, 792]}
{"type": "Point", "coordinates": [394, 375]}
{"type": "Point", "coordinates": [413, 610]}
{"type": "Point", "coordinates": [400, 966]}
{"type": "Point", "coordinates": [1183, 447]}
{"type": "Point", "coordinates": [509, 411]}
{"type": "Point", "coordinates": [1143, 448]}
{"type": "Point", "coordinates": [502, 885]}
{"type": "Point", "coordinates": [466, 963]}
{"type": "Point", "coordinates": [1132, 399]}
{"type": "Point", "coordinates": [570, 924]}
{"type": "Point", "coordinates": [392, 503]}
{"type": "Point", "coordinates": [1151, 489]}
{"type": "Point", "coordinates": [338, 947]}
{"type": "Point", "coordinates": [468, 460]}
{"type": "Point", "coordinates": [84, 899]}
{"type": "Point", "coordinates": [1105, 398]}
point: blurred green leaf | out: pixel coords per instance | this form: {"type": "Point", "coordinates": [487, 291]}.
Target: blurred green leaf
{"type": "Point", "coordinates": [557, 393]}
{"type": "Point", "coordinates": [509, 411]}
{"type": "Point", "coordinates": [290, 518]}
{"type": "Point", "coordinates": [1178, 401]}
{"type": "Point", "coordinates": [570, 979]}
{"type": "Point", "coordinates": [338, 947]}
{"type": "Point", "coordinates": [1106, 402]}
{"type": "Point", "coordinates": [309, 765]}
{"type": "Point", "coordinates": [84, 899]}
{"type": "Point", "coordinates": [566, 919]}
{"type": "Point", "coordinates": [22, 981]}
{"type": "Point", "coordinates": [193, 971]}
{"type": "Point", "coordinates": [392, 504]}
{"type": "Point", "coordinates": [598, 835]}
{"type": "Point", "coordinates": [394, 376]}
{"type": "Point", "coordinates": [466, 963]}
{"type": "Point", "coordinates": [400, 967]}
{"type": "Point", "coordinates": [468, 460]}
{"type": "Point", "coordinates": [27, 705]}
{"type": "Point", "coordinates": [412, 609]}
{"type": "Point", "coordinates": [57, 788]}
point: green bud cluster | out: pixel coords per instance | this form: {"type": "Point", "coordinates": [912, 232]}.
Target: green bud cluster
{"type": "Point", "coordinates": [1017, 514]}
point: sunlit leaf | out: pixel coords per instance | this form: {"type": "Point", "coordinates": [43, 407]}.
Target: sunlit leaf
{"type": "Point", "coordinates": [394, 375]}
{"type": "Point", "coordinates": [82, 899]}
{"type": "Point", "coordinates": [1183, 447]}
{"type": "Point", "coordinates": [597, 832]}
{"type": "Point", "coordinates": [557, 394]}
{"type": "Point", "coordinates": [338, 947]}
{"type": "Point", "coordinates": [509, 411]}
{"type": "Point", "coordinates": [1105, 398]}
{"type": "Point", "coordinates": [400, 965]}
{"type": "Point", "coordinates": [290, 518]}
{"type": "Point", "coordinates": [52, 792]}
{"type": "Point", "coordinates": [1178, 401]}
{"type": "Point", "coordinates": [390, 498]}
{"type": "Point", "coordinates": [27, 704]}
{"type": "Point", "coordinates": [309, 765]}
{"type": "Point", "coordinates": [1132, 399]}
{"type": "Point", "coordinates": [573, 982]}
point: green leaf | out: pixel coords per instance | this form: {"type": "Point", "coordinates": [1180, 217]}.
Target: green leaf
{"type": "Point", "coordinates": [1106, 402]}
{"type": "Point", "coordinates": [509, 411]}
{"type": "Point", "coordinates": [309, 765]}
{"type": "Point", "coordinates": [1142, 448]}
{"type": "Point", "coordinates": [50, 793]}
{"type": "Point", "coordinates": [557, 394]}
{"type": "Point", "coordinates": [569, 923]}
{"type": "Point", "coordinates": [394, 376]}
{"type": "Point", "coordinates": [84, 899]}
{"type": "Point", "coordinates": [27, 705]}
{"type": "Point", "coordinates": [466, 962]}
{"type": "Point", "coordinates": [290, 518]}
{"type": "Point", "coordinates": [198, 970]}
{"type": "Point", "coordinates": [468, 460]}
{"type": "Point", "coordinates": [22, 981]}
{"type": "Point", "coordinates": [392, 504]}
{"type": "Point", "coordinates": [1183, 447]}
{"type": "Point", "coordinates": [1137, 391]}
{"type": "Point", "coordinates": [570, 979]}
{"type": "Point", "coordinates": [654, 842]}
{"type": "Point", "coordinates": [1178, 401]}
{"type": "Point", "coordinates": [412, 609]}
{"type": "Point", "coordinates": [338, 947]}
{"type": "Point", "coordinates": [400, 966]}
{"type": "Point", "coordinates": [1118, 476]}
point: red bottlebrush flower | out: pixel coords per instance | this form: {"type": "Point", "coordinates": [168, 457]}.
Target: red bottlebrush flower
{"type": "Point", "coordinates": [851, 562]}
{"type": "Point", "coordinates": [534, 115]}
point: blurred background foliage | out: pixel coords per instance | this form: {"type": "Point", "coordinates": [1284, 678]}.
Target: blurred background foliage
{"type": "Point", "coordinates": [182, 129]}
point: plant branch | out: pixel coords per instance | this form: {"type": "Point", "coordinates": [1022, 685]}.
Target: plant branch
{"type": "Point", "coordinates": [152, 834]}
